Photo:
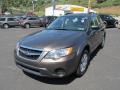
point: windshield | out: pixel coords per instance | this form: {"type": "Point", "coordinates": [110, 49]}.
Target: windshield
{"type": "Point", "coordinates": [76, 22]}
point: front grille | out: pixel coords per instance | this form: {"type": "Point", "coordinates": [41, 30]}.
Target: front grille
{"type": "Point", "coordinates": [29, 53]}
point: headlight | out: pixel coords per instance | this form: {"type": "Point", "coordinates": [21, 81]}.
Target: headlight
{"type": "Point", "coordinates": [17, 46]}
{"type": "Point", "coordinates": [55, 54]}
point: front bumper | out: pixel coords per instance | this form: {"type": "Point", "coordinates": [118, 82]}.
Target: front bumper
{"type": "Point", "coordinates": [59, 68]}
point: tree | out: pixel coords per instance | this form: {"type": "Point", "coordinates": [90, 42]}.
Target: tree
{"type": "Point", "coordinates": [4, 6]}
{"type": "Point", "coordinates": [100, 1]}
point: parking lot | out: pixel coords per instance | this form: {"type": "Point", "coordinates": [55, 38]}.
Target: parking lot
{"type": "Point", "coordinates": [103, 72]}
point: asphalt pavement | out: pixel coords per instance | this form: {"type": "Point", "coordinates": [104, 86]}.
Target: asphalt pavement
{"type": "Point", "coordinates": [103, 72]}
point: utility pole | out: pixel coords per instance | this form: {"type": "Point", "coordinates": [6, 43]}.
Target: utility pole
{"type": "Point", "coordinates": [89, 5]}
{"type": "Point", "coordinates": [33, 4]}
{"type": "Point", "coordinates": [53, 4]}
{"type": "Point", "coordinates": [0, 6]}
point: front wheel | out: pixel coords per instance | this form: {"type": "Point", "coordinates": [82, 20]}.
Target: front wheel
{"type": "Point", "coordinates": [83, 64]}
{"type": "Point", "coordinates": [27, 25]}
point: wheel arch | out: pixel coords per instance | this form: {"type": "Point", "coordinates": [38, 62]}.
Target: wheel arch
{"type": "Point", "coordinates": [26, 23]}
{"type": "Point", "coordinates": [6, 23]}
{"type": "Point", "coordinates": [87, 47]}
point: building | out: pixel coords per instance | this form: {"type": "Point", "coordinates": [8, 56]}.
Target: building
{"type": "Point", "coordinates": [64, 9]}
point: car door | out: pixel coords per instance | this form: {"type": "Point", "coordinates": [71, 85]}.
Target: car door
{"type": "Point", "coordinates": [37, 21]}
{"type": "Point", "coordinates": [34, 21]}
{"type": "Point", "coordinates": [101, 30]}
{"type": "Point", "coordinates": [2, 21]}
{"type": "Point", "coordinates": [12, 21]}
{"type": "Point", "coordinates": [94, 32]}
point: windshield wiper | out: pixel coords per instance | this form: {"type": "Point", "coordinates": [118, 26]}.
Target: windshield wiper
{"type": "Point", "coordinates": [57, 29]}
{"type": "Point", "coordinates": [64, 29]}
{"type": "Point", "coordinates": [61, 29]}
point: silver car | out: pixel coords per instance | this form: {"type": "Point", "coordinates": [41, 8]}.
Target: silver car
{"type": "Point", "coordinates": [8, 21]}
{"type": "Point", "coordinates": [31, 21]}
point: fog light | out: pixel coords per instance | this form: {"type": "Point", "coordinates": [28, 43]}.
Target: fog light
{"type": "Point", "coordinates": [60, 72]}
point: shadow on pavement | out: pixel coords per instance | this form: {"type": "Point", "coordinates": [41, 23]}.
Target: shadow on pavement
{"type": "Point", "coordinates": [94, 53]}
{"type": "Point", "coordinates": [55, 81]}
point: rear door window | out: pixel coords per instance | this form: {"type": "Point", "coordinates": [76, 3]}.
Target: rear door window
{"type": "Point", "coordinates": [24, 18]}
{"type": "Point", "coordinates": [11, 19]}
{"type": "Point", "coordinates": [94, 21]}
{"type": "Point", "coordinates": [2, 19]}
{"type": "Point", "coordinates": [100, 22]}
{"type": "Point", "coordinates": [32, 18]}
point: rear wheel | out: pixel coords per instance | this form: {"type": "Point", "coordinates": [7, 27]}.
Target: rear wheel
{"type": "Point", "coordinates": [83, 64]}
{"type": "Point", "coordinates": [116, 25]}
{"type": "Point", "coordinates": [103, 42]}
{"type": "Point", "coordinates": [5, 26]}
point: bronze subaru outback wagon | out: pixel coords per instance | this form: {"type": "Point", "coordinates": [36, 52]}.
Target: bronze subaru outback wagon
{"type": "Point", "coordinates": [63, 48]}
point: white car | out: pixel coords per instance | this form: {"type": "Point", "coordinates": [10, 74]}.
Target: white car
{"type": "Point", "coordinates": [7, 13]}
{"type": "Point", "coordinates": [118, 26]}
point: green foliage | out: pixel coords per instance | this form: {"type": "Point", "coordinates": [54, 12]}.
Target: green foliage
{"type": "Point", "coordinates": [108, 3]}
{"type": "Point", "coordinates": [41, 4]}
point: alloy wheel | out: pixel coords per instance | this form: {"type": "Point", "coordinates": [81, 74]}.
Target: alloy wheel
{"type": "Point", "coordinates": [5, 26]}
{"type": "Point", "coordinates": [84, 62]}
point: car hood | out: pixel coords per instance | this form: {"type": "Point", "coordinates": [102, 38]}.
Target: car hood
{"type": "Point", "coordinates": [51, 39]}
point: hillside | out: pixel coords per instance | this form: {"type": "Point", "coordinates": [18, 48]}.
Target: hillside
{"type": "Point", "coordinates": [108, 3]}
{"type": "Point", "coordinates": [114, 10]}
{"type": "Point", "coordinates": [26, 5]}
{"type": "Point", "coordinates": [94, 4]}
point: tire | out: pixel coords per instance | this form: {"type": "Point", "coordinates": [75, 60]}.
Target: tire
{"type": "Point", "coordinates": [102, 43]}
{"type": "Point", "coordinates": [6, 26]}
{"type": "Point", "coordinates": [27, 25]}
{"type": "Point", "coordinates": [105, 24]}
{"type": "Point", "coordinates": [116, 25]}
{"type": "Point", "coordinates": [83, 64]}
